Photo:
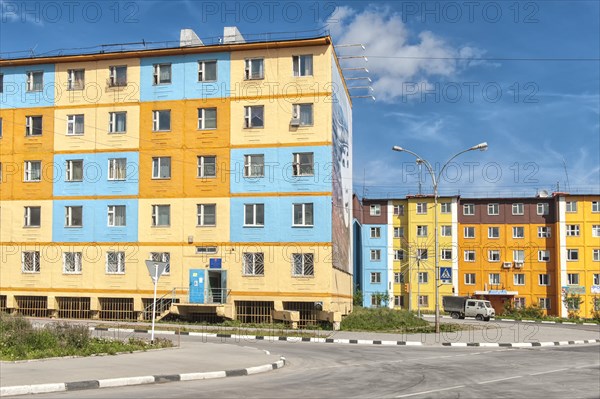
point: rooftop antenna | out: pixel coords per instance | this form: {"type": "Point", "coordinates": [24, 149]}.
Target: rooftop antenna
{"type": "Point", "coordinates": [567, 184]}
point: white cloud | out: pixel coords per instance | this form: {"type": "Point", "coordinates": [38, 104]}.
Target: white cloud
{"type": "Point", "coordinates": [421, 56]}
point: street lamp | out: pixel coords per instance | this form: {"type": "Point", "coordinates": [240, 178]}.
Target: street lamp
{"type": "Point", "coordinates": [435, 181]}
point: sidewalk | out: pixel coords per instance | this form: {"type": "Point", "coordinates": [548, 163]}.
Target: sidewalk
{"type": "Point", "coordinates": [193, 360]}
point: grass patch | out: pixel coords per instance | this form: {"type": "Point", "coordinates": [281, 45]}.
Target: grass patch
{"type": "Point", "coordinates": [19, 340]}
{"type": "Point", "coordinates": [390, 320]}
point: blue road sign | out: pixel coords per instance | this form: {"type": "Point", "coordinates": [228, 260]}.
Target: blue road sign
{"type": "Point", "coordinates": [446, 274]}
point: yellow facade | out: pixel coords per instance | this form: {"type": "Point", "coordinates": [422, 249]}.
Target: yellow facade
{"type": "Point", "coordinates": [13, 229]}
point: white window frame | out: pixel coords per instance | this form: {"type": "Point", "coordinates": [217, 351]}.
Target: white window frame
{"type": "Point", "coordinates": [422, 230]}
{"type": "Point", "coordinates": [303, 208]}
{"type": "Point", "coordinates": [72, 122]}
{"type": "Point", "coordinates": [468, 209]}
{"type": "Point", "coordinates": [69, 211]}
{"type": "Point", "coordinates": [303, 265]}
{"type": "Point", "coordinates": [572, 254]}
{"type": "Point", "coordinates": [398, 232]}
{"type": "Point", "coordinates": [119, 264]}
{"type": "Point", "coordinates": [518, 231]}
{"type": "Point", "coordinates": [164, 257]}
{"type": "Point", "coordinates": [253, 208]}
{"type": "Point", "coordinates": [375, 210]}
{"type": "Point", "coordinates": [595, 206]}
{"type": "Point", "coordinates": [518, 208]}
{"type": "Point", "coordinates": [469, 231]}
{"type": "Point", "coordinates": [469, 255]}
{"type": "Point", "coordinates": [297, 61]}
{"type": "Point", "coordinates": [249, 112]}
{"type": "Point", "coordinates": [156, 74]}
{"type": "Point", "coordinates": [30, 129]}
{"type": "Point", "coordinates": [204, 167]}
{"type": "Point", "coordinates": [253, 264]}
{"type": "Point", "coordinates": [299, 168]}
{"type": "Point", "coordinates": [422, 254]}
{"type": "Point", "coordinates": [111, 215]}
{"type": "Point", "coordinates": [572, 278]}
{"type": "Point", "coordinates": [446, 207]}
{"type": "Point", "coordinates": [519, 302]}
{"type": "Point", "coordinates": [596, 255]}
{"type": "Point", "coordinates": [596, 230]}
{"type": "Point", "coordinates": [202, 70]}
{"type": "Point", "coordinates": [32, 86]}
{"type": "Point", "coordinates": [398, 254]}
{"type": "Point", "coordinates": [112, 122]}
{"type": "Point", "coordinates": [158, 161]}
{"type": "Point", "coordinates": [544, 232]}
{"type": "Point", "coordinates": [543, 255]}
{"type": "Point", "coordinates": [544, 303]}
{"type": "Point", "coordinates": [203, 250]}
{"type": "Point", "coordinates": [519, 279]}
{"type": "Point", "coordinates": [71, 165]}
{"type": "Point", "coordinates": [72, 83]}
{"type": "Point", "coordinates": [596, 279]}
{"type": "Point", "coordinates": [28, 171]}
{"type": "Point", "coordinates": [423, 300]}
{"type": "Point", "coordinates": [201, 214]}
{"type": "Point", "coordinates": [117, 167]}
{"type": "Point", "coordinates": [75, 259]}
{"type": "Point", "coordinates": [398, 278]}
{"type": "Point", "coordinates": [159, 114]}
{"type": "Point", "coordinates": [202, 118]}
{"type": "Point", "coordinates": [375, 255]}
{"type": "Point", "coordinates": [28, 222]}
{"type": "Point", "coordinates": [156, 211]}
{"type": "Point", "coordinates": [494, 255]}
{"type": "Point", "coordinates": [492, 230]}
{"type": "Point", "coordinates": [34, 267]}
{"type": "Point", "coordinates": [421, 208]}
{"type": "Point", "coordinates": [423, 277]}
{"type": "Point", "coordinates": [248, 70]}
{"type": "Point", "coordinates": [493, 209]}
{"type": "Point", "coordinates": [297, 113]}
{"type": "Point", "coordinates": [544, 279]}
{"type": "Point", "coordinates": [446, 231]}
{"type": "Point", "coordinates": [115, 78]}
{"type": "Point", "coordinates": [253, 167]}
{"type": "Point", "coordinates": [375, 277]}
{"type": "Point", "coordinates": [571, 206]}
{"type": "Point", "coordinates": [399, 210]}
{"type": "Point", "coordinates": [543, 208]}
{"type": "Point", "coordinates": [518, 255]}
{"type": "Point", "coordinates": [572, 230]}
{"type": "Point", "coordinates": [494, 278]}
{"type": "Point", "coordinates": [446, 254]}
{"type": "Point", "coordinates": [470, 278]}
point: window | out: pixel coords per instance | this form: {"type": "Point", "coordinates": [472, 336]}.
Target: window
{"type": "Point", "coordinates": [596, 279]}
{"type": "Point", "coordinates": [162, 74]}
{"type": "Point", "coordinates": [518, 209]}
{"type": "Point", "coordinates": [0, 128]}
{"type": "Point", "coordinates": [207, 118]}
{"type": "Point", "coordinates": [254, 165]}
{"type": "Point", "coordinates": [398, 301]}
{"type": "Point", "coordinates": [303, 215]}
{"type": "Point", "coordinates": [303, 265]}
{"type": "Point", "coordinates": [573, 254]}
{"type": "Point", "coordinates": [375, 210]}
{"type": "Point", "coordinates": [493, 232]}
{"type": "Point", "coordinates": [161, 167]}
{"type": "Point", "coordinates": [76, 79]}
{"type": "Point", "coordinates": [398, 278]}
{"type": "Point", "coordinates": [422, 254]}
{"type": "Point", "coordinates": [422, 277]}
{"type": "Point", "coordinates": [543, 208]}
{"type": "Point", "coordinates": [35, 81]}
{"type": "Point", "coordinates": [399, 210]}
{"type": "Point", "coordinates": [254, 264]}
{"type": "Point", "coordinates": [117, 122]}
{"type": "Point", "coordinates": [469, 256]}
{"type": "Point", "coordinates": [421, 208]}
{"type": "Point", "coordinates": [573, 278]}
{"type": "Point", "coordinates": [446, 231]}
{"type": "Point", "coordinates": [493, 255]}
{"type": "Point", "coordinates": [254, 116]}
{"type": "Point", "coordinates": [254, 69]}
{"type": "Point", "coordinates": [544, 279]}
{"type": "Point", "coordinates": [33, 126]}
{"type": "Point", "coordinates": [398, 232]}
{"type": "Point", "coordinates": [32, 216]}
{"type": "Point", "coordinates": [543, 256]}
{"type": "Point", "coordinates": [596, 206]}
{"type": "Point", "coordinates": [30, 261]}
{"type": "Point", "coordinates": [572, 230]}
{"type": "Point", "coordinates": [544, 232]}
{"type": "Point", "coordinates": [254, 215]}
{"type": "Point", "coordinates": [519, 279]}
{"type": "Point", "coordinates": [117, 216]}
{"type": "Point", "coordinates": [376, 255]}
{"type": "Point", "coordinates": [207, 71]}
{"type": "Point", "coordinates": [544, 303]}
{"type": "Point", "coordinates": [375, 277]}
{"type": "Point", "coordinates": [118, 76]}
{"type": "Point", "coordinates": [115, 262]}
{"type": "Point", "coordinates": [446, 254]}
{"type": "Point", "coordinates": [469, 232]}
{"type": "Point", "coordinates": [72, 262]}
{"type": "Point", "coordinates": [446, 207]}
{"type": "Point", "coordinates": [73, 216]}
{"type": "Point", "coordinates": [32, 171]}
{"type": "Point", "coordinates": [207, 214]}
{"type": "Point", "coordinates": [469, 278]}
{"type": "Point", "coordinates": [518, 255]}
{"type": "Point", "coordinates": [596, 255]}
{"type": "Point", "coordinates": [1, 82]}
{"type": "Point", "coordinates": [161, 215]}
{"type": "Point", "coordinates": [375, 232]}
{"type": "Point", "coordinates": [303, 113]}
{"type": "Point", "coordinates": [303, 65]}
{"type": "Point", "coordinates": [74, 170]}
{"type": "Point", "coordinates": [518, 232]}
{"type": "Point", "coordinates": [117, 168]}
{"type": "Point", "coordinates": [596, 230]}
{"type": "Point", "coordinates": [75, 124]}
{"type": "Point", "coordinates": [494, 278]}
{"type": "Point", "coordinates": [207, 166]}
{"type": "Point", "coordinates": [571, 206]}
{"type": "Point", "coordinates": [519, 303]}
{"type": "Point", "coordinates": [164, 257]}
{"type": "Point", "coordinates": [493, 209]}
{"type": "Point", "coordinates": [421, 231]}
{"type": "Point", "coordinates": [469, 209]}
{"type": "Point", "coordinates": [303, 164]}
{"type": "Point", "coordinates": [398, 254]}
{"type": "Point", "coordinates": [423, 300]}
{"type": "Point", "coordinates": [161, 120]}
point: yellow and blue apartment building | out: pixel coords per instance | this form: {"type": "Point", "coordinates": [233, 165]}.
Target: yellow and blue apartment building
{"type": "Point", "coordinates": [230, 162]}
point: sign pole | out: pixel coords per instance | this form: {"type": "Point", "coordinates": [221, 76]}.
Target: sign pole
{"type": "Point", "coordinates": [154, 302]}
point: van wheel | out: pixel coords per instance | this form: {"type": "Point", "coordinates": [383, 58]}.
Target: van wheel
{"type": "Point", "coordinates": [455, 315]}
{"type": "Point", "coordinates": [479, 317]}
{"type": "Point", "coordinates": [486, 319]}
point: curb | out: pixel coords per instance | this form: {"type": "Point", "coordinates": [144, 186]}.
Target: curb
{"type": "Point", "coordinates": [520, 344]}
{"type": "Point", "coordinates": [127, 381]}
{"type": "Point", "coordinates": [527, 321]}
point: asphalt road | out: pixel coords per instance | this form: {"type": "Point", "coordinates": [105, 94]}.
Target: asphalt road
{"type": "Point", "coordinates": [344, 371]}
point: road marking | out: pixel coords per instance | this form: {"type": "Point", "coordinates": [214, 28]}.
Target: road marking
{"type": "Point", "coordinates": [432, 391]}
{"type": "Point", "coordinates": [500, 379]}
{"type": "Point", "coordinates": [548, 372]}
{"type": "Point", "coordinates": [587, 365]}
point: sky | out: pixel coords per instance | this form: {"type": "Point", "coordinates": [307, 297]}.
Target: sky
{"type": "Point", "coordinates": [523, 76]}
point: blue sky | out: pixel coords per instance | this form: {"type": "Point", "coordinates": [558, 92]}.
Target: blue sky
{"type": "Point", "coordinates": [523, 76]}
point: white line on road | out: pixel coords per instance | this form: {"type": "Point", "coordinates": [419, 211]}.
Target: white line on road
{"type": "Point", "coordinates": [548, 372]}
{"type": "Point", "coordinates": [432, 391]}
{"type": "Point", "coordinates": [500, 379]}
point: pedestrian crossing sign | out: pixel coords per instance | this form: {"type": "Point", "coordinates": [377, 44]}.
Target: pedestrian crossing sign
{"type": "Point", "coordinates": [446, 274]}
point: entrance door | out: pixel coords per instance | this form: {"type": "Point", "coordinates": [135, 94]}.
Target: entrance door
{"type": "Point", "coordinates": [217, 286]}
{"type": "Point", "coordinates": [196, 286]}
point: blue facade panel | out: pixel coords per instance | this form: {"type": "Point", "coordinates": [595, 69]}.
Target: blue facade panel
{"type": "Point", "coordinates": [374, 266]}
{"type": "Point", "coordinates": [279, 219]}
{"type": "Point", "coordinates": [184, 78]}
{"type": "Point", "coordinates": [96, 175]}
{"type": "Point", "coordinates": [95, 222]}
{"type": "Point", "coordinates": [278, 171]}
{"type": "Point", "coordinates": [15, 92]}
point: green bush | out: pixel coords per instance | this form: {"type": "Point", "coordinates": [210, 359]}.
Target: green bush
{"type": "Point", "coordinates": [530, 312]}
{"type": "Point", "coordinates": [381, 319]}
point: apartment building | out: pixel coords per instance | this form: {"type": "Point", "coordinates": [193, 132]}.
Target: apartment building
{"type": "Point", "coordinates": [231, 162]}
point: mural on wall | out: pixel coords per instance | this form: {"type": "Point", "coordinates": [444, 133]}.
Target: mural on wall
{"type": "Point", "coordinates": [341, 173]}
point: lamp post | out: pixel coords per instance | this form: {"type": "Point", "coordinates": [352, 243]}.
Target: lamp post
{"type": "Point", "coordinates": [435, 179]}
